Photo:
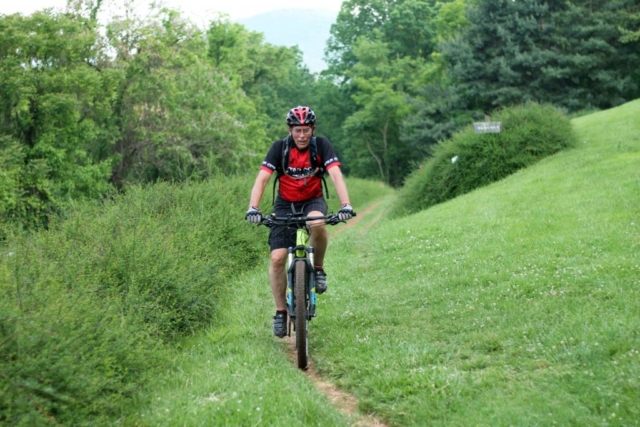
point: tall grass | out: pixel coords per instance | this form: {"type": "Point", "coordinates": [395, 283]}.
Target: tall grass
{"type": "Point", "coordinates": [87, 307]}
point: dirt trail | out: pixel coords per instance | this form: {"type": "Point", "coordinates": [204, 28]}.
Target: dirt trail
{"type": "Point", "coordinates": [356, 219]}
{"type": "Point", "coordinates": [345, 402]}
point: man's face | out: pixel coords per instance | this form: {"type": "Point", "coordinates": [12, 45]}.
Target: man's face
{"type": "Point", "coordinates": [302, 135]}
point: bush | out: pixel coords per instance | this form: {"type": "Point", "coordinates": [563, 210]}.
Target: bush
{"type": "Point", "coordinates": [86, 306]}
{"type": "Point", "coordinates": [469, 160]}
{"type": "Point", "coordinates": [68, 357]}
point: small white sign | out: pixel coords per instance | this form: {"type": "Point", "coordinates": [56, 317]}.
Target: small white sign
{"type": "Point", "coordinates": [487, 127]}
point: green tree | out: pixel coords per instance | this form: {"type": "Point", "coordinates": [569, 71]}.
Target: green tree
{"type": "Point", "coordinates": [272, 77]}
{"type": "Point", "coordinates": [333, 104]}
{"type": "Point", "coordinates": [409, 84]}
{"type": "Point", "coordinates": [374, 146]}
{"type": "Point", "coordinates": [179, 116]}
{"type": "Point", "coordinates": [602, 66]}
{"type": "Point", "coordinates": [56, 114]}
{"type": "Point", "coordinates": [438, 109]}
{"type": "Point", "coordinates": [357, 18]}
{"type": "Point", "coordinates": [378, 51]}
{"type": "Point", "coordinates": [409, 31]}
{"type": "Point", "coordinates": [566, 53]}
{"type": "Point", "coordinates": [450, 19]}
{"type": "Point", "coordinates": [405, 25]}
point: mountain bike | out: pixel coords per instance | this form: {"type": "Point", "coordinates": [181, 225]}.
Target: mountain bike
{"type": "Point", "coordinates": [301, 278]}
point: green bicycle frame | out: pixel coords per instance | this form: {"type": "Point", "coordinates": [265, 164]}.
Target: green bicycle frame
{"type": "Point", "coordinates": [302, 251]}
{"type": "Point", "coordinates": [302, 240]}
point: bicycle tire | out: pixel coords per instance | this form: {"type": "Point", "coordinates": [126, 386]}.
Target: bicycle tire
{"type": "Point", "coordinates": [301, 322]}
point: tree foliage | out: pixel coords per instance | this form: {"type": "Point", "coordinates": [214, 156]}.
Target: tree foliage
{"type": "Point", "coordinates": [56, 103]}
{"type": "Point", "coordinates": [570, 54]}
{"type": "Point", "coordinates": [378, 49]}
{"type": "Point", "coordinates": [86, 107]}
{"type": "Point", "coordinates": [273, 77]}
{"type": "Point", "coordinates": [374, 128]}
{"type": "Point", "coordinates": [405, 25]}
{"type": "Point", "coordinates": [178, 113]}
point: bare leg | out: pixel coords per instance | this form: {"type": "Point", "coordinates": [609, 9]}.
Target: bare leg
{"type": "Point", "coordinates": [278, 278]}
{"type": "Point", "coordinates": [319, 239]}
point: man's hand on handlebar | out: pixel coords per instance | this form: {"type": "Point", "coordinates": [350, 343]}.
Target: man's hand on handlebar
{"type": "Point", "coordinates": [254, 216]}
{"type": "Point", "coordinates": [345, 212]}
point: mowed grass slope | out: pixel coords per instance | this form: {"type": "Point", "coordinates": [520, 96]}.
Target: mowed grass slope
{"type": "Point", "coordinates": [517, 304]}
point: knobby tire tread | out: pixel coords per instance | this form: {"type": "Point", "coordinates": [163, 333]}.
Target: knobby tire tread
{"type": "Point", "coordinates": [300, 292]}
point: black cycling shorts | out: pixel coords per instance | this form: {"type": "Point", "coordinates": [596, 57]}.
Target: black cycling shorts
{"type": "Point", "coordinates": [285, 237]}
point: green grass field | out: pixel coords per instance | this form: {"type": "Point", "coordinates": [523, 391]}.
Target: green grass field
{"type": "Point", "coordinates": [515, 305]}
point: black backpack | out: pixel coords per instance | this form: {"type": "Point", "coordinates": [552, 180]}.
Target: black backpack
{"type": "Point", "coordinates": [313, 152]}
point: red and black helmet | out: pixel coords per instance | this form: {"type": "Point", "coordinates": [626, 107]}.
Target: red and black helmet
{"type": "Point", "coordinates": [301, 116]}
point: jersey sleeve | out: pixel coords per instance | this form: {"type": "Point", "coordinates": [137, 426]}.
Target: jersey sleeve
{"type": "Point", "coordinates": [327, 154]}
{"type": "Point", "coordinates": [272, 160]}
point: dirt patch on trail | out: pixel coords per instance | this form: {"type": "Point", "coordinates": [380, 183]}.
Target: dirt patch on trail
{"type": "Point", "coordinates": [343, 401]}
{"type": "Point", "coordinates": [353, 221]}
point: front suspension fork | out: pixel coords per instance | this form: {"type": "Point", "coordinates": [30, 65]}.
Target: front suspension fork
{"type": "Point", "coordinates": [311, 283]}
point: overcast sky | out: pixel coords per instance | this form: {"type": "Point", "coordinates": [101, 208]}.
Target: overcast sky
{"type": "Point", "coordinates": [196, 9]}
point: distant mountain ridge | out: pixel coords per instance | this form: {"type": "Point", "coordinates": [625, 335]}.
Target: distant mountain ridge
{"type": "Point", "coordinates": [309, 29]}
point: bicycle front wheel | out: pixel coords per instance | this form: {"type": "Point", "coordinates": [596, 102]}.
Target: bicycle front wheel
{"type": "Point", "coordinates": [300, 295]}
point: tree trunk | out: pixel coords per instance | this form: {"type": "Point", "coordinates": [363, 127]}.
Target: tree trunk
{"type": "Point", "coordinates": [385, 156]}
{"type": "Point", "coordinates": [375, 157]}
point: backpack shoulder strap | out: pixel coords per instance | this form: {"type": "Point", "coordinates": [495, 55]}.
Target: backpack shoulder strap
{"type": "Point", "coordinates": [315, 164]}
{"type": "Point", "coordinates": [284, 163]}
{"type": "Point", "coordinates": [313, 151]}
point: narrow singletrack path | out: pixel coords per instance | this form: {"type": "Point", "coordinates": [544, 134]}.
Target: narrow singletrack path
{"type": "Point", "coordinates": [353, 221]}
{"type": "Point", "coordinates": [343, 401]}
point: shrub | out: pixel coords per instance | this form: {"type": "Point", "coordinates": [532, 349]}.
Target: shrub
{"type": "Point", "coordinates": [68, 357]}
{"type": "Point", "coordinates": [469, 160]}
{"type": "Point", "coordinates": [86, 306]}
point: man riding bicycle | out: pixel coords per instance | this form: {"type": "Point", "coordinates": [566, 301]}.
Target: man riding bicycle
{"type": "Point", "coordinates": [300, 160]}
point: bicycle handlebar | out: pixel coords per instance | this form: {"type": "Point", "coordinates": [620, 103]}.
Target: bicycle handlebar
{"type": "Point", "coordinates": [298, 220]}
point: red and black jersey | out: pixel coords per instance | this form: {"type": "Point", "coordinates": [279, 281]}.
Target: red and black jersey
{"type": "Point", "coordinates": [301, 180]}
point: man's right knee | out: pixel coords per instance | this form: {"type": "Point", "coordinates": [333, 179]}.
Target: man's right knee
{"type": "Point", "coordinates": [278, 258]}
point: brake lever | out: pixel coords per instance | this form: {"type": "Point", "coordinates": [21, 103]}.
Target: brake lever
{"type": "Point", "coordinates": [266, 221]}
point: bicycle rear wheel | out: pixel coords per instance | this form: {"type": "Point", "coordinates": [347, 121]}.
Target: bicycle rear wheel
{"type": "Point", "coordinates": [301, 322]}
